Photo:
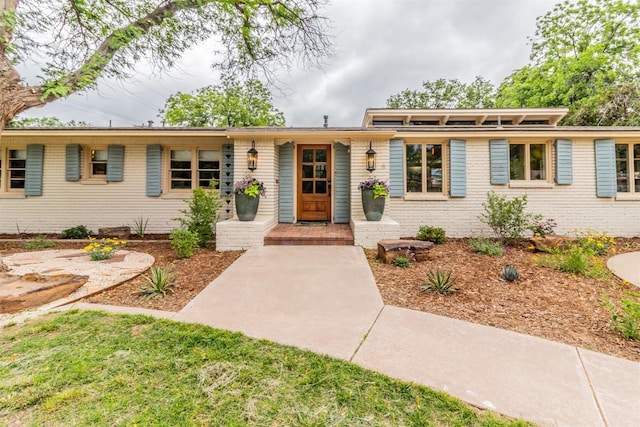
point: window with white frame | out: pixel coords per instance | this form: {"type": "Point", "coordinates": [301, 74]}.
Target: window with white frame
{"type": "Point", "coordinates": [192, 168]}
{"type": "Point", "coordinates": [528, 161]}
{"type": "Point", "coordinates": [628, 168]}
{"type": "Point", "coordinates": [13, 164]}
{"type": "Point", "coordinates": [424, 171]}
{"type": "Point", "coordinates": [98, 163]}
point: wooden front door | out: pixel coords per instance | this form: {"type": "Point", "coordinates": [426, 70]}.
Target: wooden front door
{"type": "Point", "coordinates": [314, 183]}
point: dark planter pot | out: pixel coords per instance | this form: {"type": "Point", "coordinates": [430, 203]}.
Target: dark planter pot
{"type": "Point", "coordinates": [246, 207]}
{"type": "Point", "coordinates": [373, 208]}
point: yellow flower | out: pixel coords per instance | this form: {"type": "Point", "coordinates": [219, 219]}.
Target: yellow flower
{"type": "Point", "coordinates": [613, 250]}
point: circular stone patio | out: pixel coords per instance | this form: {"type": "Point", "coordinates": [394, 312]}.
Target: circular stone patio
{"type": "Point", "coordinates": [99, 275]}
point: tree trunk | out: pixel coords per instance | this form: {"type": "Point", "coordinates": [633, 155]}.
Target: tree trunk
{"type": "Point", "coordinates": [14, 96]}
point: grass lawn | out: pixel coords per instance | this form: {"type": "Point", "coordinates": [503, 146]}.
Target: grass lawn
{"type": "Point", "coordinates": [93, 368]}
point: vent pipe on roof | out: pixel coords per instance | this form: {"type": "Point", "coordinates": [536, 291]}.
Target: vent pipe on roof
{"type": "Point", "coordinates": [326, 121]}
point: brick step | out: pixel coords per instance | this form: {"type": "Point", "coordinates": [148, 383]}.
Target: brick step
{"type": "Point", "coordinates": [301, 241]}
{"type": "Point", "coordinates": [291, 234]}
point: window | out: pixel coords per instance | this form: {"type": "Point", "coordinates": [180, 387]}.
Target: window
{"type": "Point", "coordinates": [189, 169]}
{"type": "Point", "coordinates": [528, 161]}
{"type": "Point", "coordinates": [98, 161]}
{"type": "Point", "coordinates": [13, 164]}
{"type": "Point", "coordinates": [628, 168]}
{"type": "Point", "coordinates": [424, 168]}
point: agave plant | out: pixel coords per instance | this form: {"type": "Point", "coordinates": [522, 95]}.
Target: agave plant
{"type": "Point", "coordinates": [442, 283]}
{"type": "Point", "coordinates": [510, 273]}
{"type": "Point", "coordinates": [159, 282]}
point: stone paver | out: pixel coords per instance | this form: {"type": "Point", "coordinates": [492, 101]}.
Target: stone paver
{"type": "Point", "coordinates": [514, 374]}
{"type": "Point", "coordinates": [315, 297]}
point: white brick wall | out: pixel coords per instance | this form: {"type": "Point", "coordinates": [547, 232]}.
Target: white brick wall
{"type": "Point", "coordinates": [66, 204]}
{"type": "Point", "coordinates": [573, 206]}
{"type": "Point", "coordinates": [232, 235]}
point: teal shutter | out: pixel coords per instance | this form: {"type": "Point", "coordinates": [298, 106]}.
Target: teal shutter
{"type": "Point", "coordinates": [605, 168]}
{"type": "Point", "coordinates": [564, 161]}
{"type": "Point", "coordinates": [285, 184]}
{"type": "Point", "coordinates": [154, 170]}
{"type": "Point", "coordinates": [33, 170]}
{"type": "Point", "coordinates": [396, 167]}
{"type": "Point", "coordinates": [499, 155]}
{"type": "Point", "coordinates": [226, 177]}
{"type": "Point", "coordinates": [341, 191]}
{"type": "Point", "coordinates": [457, 168]}
{"type": "Point", "coordinates": [72, 162]}
{"type": "Point", "coordinates": [115, 163]}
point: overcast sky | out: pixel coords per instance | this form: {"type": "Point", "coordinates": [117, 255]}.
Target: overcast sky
{"type": "Point", "coordinates": [382, 47]}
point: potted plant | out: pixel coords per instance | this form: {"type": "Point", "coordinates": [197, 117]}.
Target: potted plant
{"type": "Point", "coordinates": [374, 192]}
{"type": "Point", "coordinates": [247, 194]}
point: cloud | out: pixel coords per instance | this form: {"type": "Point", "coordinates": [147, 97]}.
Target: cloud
{"type": "Point", "coordinates": [382, 47]}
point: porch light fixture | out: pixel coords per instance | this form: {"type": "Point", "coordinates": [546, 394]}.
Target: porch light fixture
{"type": "Point", "coordinates": [371, 159]}
{"type": "Point", "coordinates": [252, 157]}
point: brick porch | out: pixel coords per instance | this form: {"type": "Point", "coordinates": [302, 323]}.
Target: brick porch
{"type": "Point", "coordinates": [311, 234]}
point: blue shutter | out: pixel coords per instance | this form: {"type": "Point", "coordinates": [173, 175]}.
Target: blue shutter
{"type": "Point", "coordinates": [115, 163]}
{"type": "Point", "coordinates": [458, 168]}
{"type": "Point", "coordinates": [33, 170]}
{"type": "Point", "coordinates": [396, 167]}
{"type": "Point", "coordinates": [564, 161]}
{"type": "Point", "coordinates": [226, 177]}
{"type": "Point", "coordinates": [285, 184]}
{"type": "Point", "coordinates": [154, 170]}
{"type": "Point", "coordinates": [499, 154]}
{"type": "Point", "coordinates": [72, 162]}
{"type": "Point", "coordinates": [341, 184]}
{"type": "Point", "coordinates": [605, 168]}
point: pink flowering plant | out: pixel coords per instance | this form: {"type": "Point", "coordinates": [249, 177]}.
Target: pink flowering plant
{"type": "Point", "coordinates": [543, 227]}
{"type": "Point", "coordinates": [379, 187]}
{"type": "Point", "coordinates": [250, 186]}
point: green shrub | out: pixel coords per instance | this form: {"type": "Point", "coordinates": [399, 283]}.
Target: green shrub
{"type": "Point", "coordinates": [201, 214]}
{"type": "Point", "coordinates": [77, 232]}
{"type": "Point", "coordinates": [442, 283]}
{"type": "Point", "coordinates": [431, 234]}
{"type": "Point", "coordinates": [402, 262]}
{"type": "Point", "coordinates": [507, 218]}
{"type": "Point", "coordinates": [625, 319]}
{"type": "Point", "coordinates": [575, 260]}
{"type": "Point", "coordinates": [184, 242]}
{"type": "Point", "coordinates": [510, 273]}
{"type": "Point", "coordinates": [39, 242]}
{"type": "Point", "coordinates": [486, 246]}
{"type": "Point", "coordinates": [159, 282]}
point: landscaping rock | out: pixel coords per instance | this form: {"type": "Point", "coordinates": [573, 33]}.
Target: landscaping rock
{"type": "Point", "coordinates": [123, 232]}
{"type": "Point", "coordinates": [388, 250]}
{"type": "Point", "coordinates": [552, 243]}
{"type": "Point", "coordinates": [33, 290]}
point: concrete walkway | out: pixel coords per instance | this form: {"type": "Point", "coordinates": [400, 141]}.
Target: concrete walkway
{"type": "Point", "coordinates": [325, 299]}
{"type": "Point", "coordinates": [626, 266]}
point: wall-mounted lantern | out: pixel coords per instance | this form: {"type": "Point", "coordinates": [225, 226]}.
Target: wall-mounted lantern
{"type": "Point", "coordinates": [252, 157]}
{"type": "Point", "coordinates": [371, 159]}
